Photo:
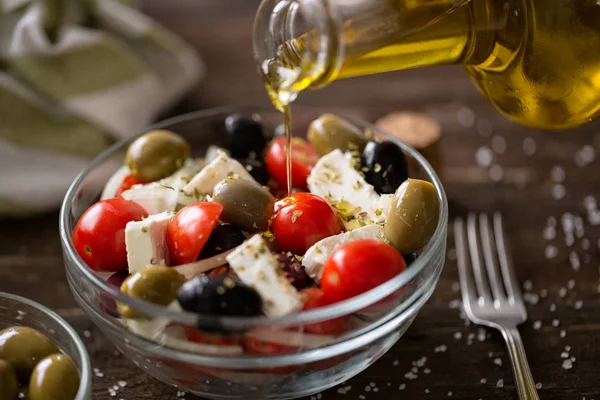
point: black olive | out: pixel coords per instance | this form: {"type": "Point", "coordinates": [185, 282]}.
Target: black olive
{"type": "Point", "coordinates": [257, 169]}
{"type": "Point", "coordinates": [294, 271]}
{"type": "Point", "coordinates": [245, 136]}
{"type": "Point", "coordinates": [223, 238]}
{"type": "Point", "coordinates": [409, 258]}
{"type": "Point", "coordinates": [384, 166]}
{"type": "Point", "coordinates": [219, 295]}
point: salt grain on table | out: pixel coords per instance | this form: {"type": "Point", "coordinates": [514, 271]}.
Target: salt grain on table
{"type": "Point", "coordinates": [555, 323]}
{"type": "Point", "coordinates": [553, 307]}
{"type": "Point", "coordinates": [558, 191]}
{"type": "Point", "coordinates": [562, 292]}
{"type": "Point", "coordinates": [557, 174]}
{"type": "Point", "coordinates": [549, 233]}
{"type": "Point", "coordinates": [496, 173]}
{"type": "Point", "coordinates": [564, 354]}
{"type": "Point", "coordinates": [498, 361]}
{"type": "Point", "coordinates": [483, 380]}
{"type": "Point", "coordinates": [457, 335]}
{"type": "Point", "coordinates": [538, 385]}
{"type": "Point", "coordinates": [527, 286]}
{"type": "Point", "coordinates": [567, 364]}
{"type": "Point", "coordinates": [543, 293]}
{"type": "Point", "coordinates": [402, 386]}
{"type": "Point", "coordinates": [563, 333]}
{"type": "Point", "coordinates": [529, 146]}
{"type": "Point", "coordinates": [578, 304]}
{"type": "Point", "coordinates": [537, 325]}
{"type": "Point", "coordinates": [551, 251]}
{"type": "Point", "coordinates": [466, 117]}
{"type": "Point", "coordinates": [570, 284]}
{"type": "Point", "coordinates": [585, 244]}
{"type": "Point", "coordinates": [484, 157]}
{"type": "Point", "coordinates": [500, 383]}
{"type": "Point", "coordinates": [574, 261]}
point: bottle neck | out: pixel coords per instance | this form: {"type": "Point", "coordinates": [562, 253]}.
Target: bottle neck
{"type": "Point", "coordinates": [302, 44]}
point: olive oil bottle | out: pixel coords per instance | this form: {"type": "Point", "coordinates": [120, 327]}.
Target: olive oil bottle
{"type": "Point", "coordinates": [536, 61]}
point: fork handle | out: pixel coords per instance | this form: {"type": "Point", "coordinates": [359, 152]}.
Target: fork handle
{"type": "Point", "coordinates": [524, 380]}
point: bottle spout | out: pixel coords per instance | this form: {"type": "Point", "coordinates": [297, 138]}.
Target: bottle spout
{"type": "Point", "coordinates": [295, 42]}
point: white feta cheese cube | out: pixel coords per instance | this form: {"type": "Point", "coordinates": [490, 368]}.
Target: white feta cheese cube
{"type": "Point", "coordinates": [212, 152]}
{"type": "Point", "coordinates": [154, 197]}
{"type": "Point", "coordinates": [214, 172]}
{"type": "Point", "coordinates": [319, 253]}
{"type": "Point", "coordinates": [146, 242]}
{"type": "Point", "coordinates": [336, 180]}
{"type": "Point", "coordinates": [257, 267]}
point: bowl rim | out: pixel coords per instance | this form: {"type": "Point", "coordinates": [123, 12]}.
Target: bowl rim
{"type": "Point", "coordinates": [236, 323]}
{"type": "Point", "coordinates": [85, 381]}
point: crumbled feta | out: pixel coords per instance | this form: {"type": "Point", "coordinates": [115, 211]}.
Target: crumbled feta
{"type": "Point", "coordinates": [146, 241]}
{"type": "Point", "coordinates": [214, 172]}
{"type": "Point", "coordinates": [336, 180]}
{"type": "Point", "coordinates": [257, 267]}
{"type": "Point", "coordinates": [114, 183]}
{"type": "Point", "coordinates": [317, 254]}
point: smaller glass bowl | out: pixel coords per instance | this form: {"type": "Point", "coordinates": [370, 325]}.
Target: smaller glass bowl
{"type": "Point", "coordinates": [16, 310]}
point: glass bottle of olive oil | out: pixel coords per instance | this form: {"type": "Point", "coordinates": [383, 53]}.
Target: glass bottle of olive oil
{"type": "Point", "coordinates": [536, 61]}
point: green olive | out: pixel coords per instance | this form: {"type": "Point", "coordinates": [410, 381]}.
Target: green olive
{"type": "Point", "coordinates": [156, 155]}
{"type": "Point", "coordinates": [413, 215]}
{"type": "Point", "coordinates": [9, 385]}
{"type": "Point", "coordinates": [157, 284]}
{"type": "Point", "coordinates": [245, 204]}
{"type": "Point", "coordinates": [24, 347]}
{"type": "Point", "coordinates": [330, 132]}
{"type": "Point", "coordinates": [54, 378]}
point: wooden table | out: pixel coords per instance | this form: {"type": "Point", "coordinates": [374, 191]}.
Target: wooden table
{"type": "Point", "coordinates": [533, 177]}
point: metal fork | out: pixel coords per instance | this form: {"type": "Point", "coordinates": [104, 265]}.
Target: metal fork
{"type": "Point", "coordinates": [490, 291]}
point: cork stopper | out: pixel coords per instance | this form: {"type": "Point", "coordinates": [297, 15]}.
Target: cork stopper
{"type": "Point", "coordinates": [417, 130]}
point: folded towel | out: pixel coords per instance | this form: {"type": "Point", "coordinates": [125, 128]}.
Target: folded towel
{"type": "Point", "coordinates": [75, 76]}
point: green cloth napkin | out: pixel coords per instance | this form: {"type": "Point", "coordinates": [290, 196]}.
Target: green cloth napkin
{"type": "Point", "coordinates": [75, 76]}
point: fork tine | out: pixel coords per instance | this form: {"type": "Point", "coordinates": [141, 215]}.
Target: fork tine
{"type": "Point", "coordinates": [480, 274]}
{"type": "Point", "coordinates": [467, 285]}
{"type": "Point", "coordinates": [489, 251]}
{"type": "Point", "coordinates": [510, 280]}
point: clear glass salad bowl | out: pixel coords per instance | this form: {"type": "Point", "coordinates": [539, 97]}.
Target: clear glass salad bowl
{"type": "Point", "coordinates": [309, 364]}
{"type": "Point", "coordinates": [16, 310]}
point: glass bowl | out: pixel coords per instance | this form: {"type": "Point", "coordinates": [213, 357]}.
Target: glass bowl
{"type": "Point", "coordinates": [16, 310]}
{"type": "Point", "coordinates": [308, 363]}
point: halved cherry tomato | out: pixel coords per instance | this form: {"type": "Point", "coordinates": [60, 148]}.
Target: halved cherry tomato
{"type": "Point", "coordinates": [99, 235]}
{"type": "Point", "coordinates": [189, 230]}
{"type": "Point", "coordinates": [314, 298]}
{"type": "Point", "coordinates": [358, 267]}
{"type": "Point", "coordinates": [197, 336]}
{"type": "Point", "coordinates": [301, 220]}
{"type": "Point", "coordinates": [127, 183]}
{"type": "Point", "coordinates": [304, 157]}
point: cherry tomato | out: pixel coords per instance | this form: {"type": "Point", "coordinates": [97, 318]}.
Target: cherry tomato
{"type": "Point", "coordinates": [127, 183]}
{"type": "Point", "coordinates": [314, 298]}
{"type": "Point", "coordinates": [222, 270]}
{"type": "Point", "coordinates": [256, 346]}
{"type": "Point", "coordinates": [189, 230]}
{"type": "Point", "coordinates": [304, 157]}
{"type": "Point", "coordinates": [301, 220]}
{"type": "Point", "coordinates": [359, 266]}
{"type": "Point", "coordinates": [197, 336]}
{"type": "Point", "coordinates": [99, 236]}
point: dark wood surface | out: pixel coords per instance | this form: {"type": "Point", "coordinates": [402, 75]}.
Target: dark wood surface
{"type": "Point", "coordinates": [31, 262]}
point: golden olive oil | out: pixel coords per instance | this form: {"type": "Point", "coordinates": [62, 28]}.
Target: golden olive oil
{"type": "Point", "coordinates": [537, 62]}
